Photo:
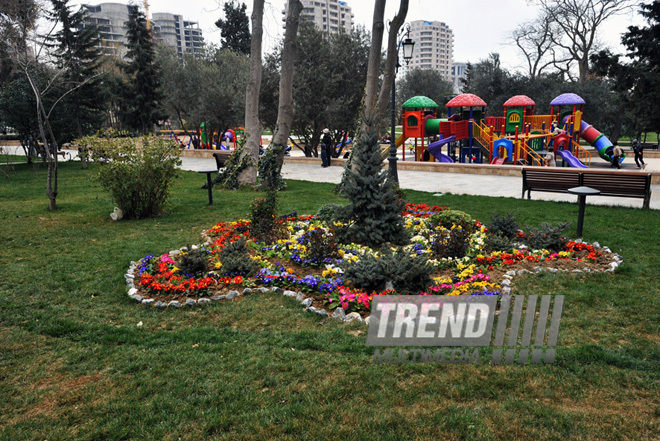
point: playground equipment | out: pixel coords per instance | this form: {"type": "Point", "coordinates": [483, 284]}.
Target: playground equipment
{"type": "Point", "coordinates": [596, 140]}
{"type": "Point", "coordinates": [518, 137]}
{"type": "Point", "coordinates": [435, 148]}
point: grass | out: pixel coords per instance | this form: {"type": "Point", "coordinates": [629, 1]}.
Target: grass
{"type": "Point", "coordinates": [75, 365]}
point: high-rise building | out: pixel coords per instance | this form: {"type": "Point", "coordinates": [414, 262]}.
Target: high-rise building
{"type": "Point", "coordinates": [327, 15]}
{"type": "Point", "coordinates": [110, 18]}
{"type": "Point", "coordinates": [434, 47]}
{"type": "Point", "coordinates": [458, 70]}
{"type": "Point", "coordinates": [182, 35]}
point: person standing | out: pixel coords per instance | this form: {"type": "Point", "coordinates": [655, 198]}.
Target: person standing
{"type": "Point", "coordinates": [326, 148]}
{"type": "Point", "coordinates": [550, 158]}
{"type": "Point", "coordinates": [616, 156]}
{"type": "Point", "coordinates": [639, 154]}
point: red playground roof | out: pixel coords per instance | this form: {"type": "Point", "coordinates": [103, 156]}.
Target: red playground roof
{"type": "Point", "coordinates": [466, 100]}
{"type": "Point", "coordinates": [519, 101]}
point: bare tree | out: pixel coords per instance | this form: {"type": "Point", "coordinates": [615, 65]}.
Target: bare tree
{"type": "Point", "coordinates": [375, 56]}
{"type": "Point", "coordinates": [534, 41]}
{"type": "Point", "coordinates": [29, 49]}
{"type": "Point", "coordinates": [285, 112]}
{"type": "Point", "coordinates": [577, 23]}
{"type": "Point", "coordinates": [253, 127]}
{"type": "Point", "coordinates": [390, 62]}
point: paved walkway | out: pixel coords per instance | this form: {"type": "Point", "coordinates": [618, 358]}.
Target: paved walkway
{"type": "Point", "coordinates": [455, 183]}
{"type": "Point", "coordinates": [438, 183]}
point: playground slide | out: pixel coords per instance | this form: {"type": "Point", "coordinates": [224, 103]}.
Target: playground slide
{"type": "Point", "coordinates": [597, 140]}
{"type": "Point", "coordinates": [399, 141]}
{"type": "Point", "coordinates": [570, 159]}
{"type": "Point", "coordinates": [498, 161]}
{"type": "Point", "coordinates": [435, 148]}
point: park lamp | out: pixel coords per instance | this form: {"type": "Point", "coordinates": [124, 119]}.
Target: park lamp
{"type": "Point", "coordinates": [408, 47]}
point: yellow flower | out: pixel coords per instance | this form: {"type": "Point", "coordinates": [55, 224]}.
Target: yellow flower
{"type": "Point", "coordinates": [218, 265]}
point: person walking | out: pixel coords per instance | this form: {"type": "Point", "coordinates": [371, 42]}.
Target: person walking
{"type": "Point", "coordinates": [639, 154]}
{"type": "Point", "coordinates": [326, 148]}
{"type": "Point", "coordinates": [616, 156]}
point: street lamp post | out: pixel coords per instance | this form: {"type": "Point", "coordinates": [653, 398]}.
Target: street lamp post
{"type": "Point", "coordinates": [408, 46]}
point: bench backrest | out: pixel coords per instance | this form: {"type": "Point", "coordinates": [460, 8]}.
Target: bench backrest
{"type": "Point", "coordinates": [613, 184]}
{"type": "Point", "coordinates": [221, 158]}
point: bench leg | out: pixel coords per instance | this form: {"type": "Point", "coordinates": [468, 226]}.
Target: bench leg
{"type": "Point", "coordinates": [647, 201]}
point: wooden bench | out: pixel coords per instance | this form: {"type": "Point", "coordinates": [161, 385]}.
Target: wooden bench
{"type": "Point", "coordinates": [614, 183]}
{"type": "Point", "coordinates": [221, 158]}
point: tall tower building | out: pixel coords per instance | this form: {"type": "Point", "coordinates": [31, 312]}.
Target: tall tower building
{"type": "Point", "coordinates": [327, 15]}
{"type": "Point", "coordinates": [434, 47]}
{"type": "Point", "coordinates": [183, 35]}
{"type": "Point", "coordinates": [110, 18]}
{"type": "Point", "coordinates": [172, 30]}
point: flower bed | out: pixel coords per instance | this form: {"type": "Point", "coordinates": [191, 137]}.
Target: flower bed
{"type": "Point", "coordinates": [306, 259]}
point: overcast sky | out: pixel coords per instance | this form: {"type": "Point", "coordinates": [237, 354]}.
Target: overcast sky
{"type": "Point", "coordinates": [479, 26]}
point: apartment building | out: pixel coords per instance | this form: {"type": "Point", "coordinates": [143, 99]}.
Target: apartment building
{"type": "Point", "coordinates": [182, 35]}
{"type": "Point", "coordinates": [458, 70]}
{"type": "Point", "coordinates": [434, 47]}
{"type": "Point", "coordinates": [330, 16]}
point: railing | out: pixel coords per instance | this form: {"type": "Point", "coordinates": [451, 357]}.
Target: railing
{"type": "Point", "coordinates": [539, 122]}
{"type": "Point", "coordinates": [484, 136]}
{"type": "Point", "coordinates": [496, 122]}
{"type": "Point", "coordinates": [529, 153]}
{"type": "Point", "coordinates": [581, 154]}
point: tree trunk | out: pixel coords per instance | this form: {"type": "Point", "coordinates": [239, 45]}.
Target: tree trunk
{"type": "Point", "coordinates": [373, 68]}
{"type": "Point", "coordinates": [285, 111]}
{"type": "Point", "coordinates": [390, 63]}
{"type": "Point", "coordinates": [253, 127]}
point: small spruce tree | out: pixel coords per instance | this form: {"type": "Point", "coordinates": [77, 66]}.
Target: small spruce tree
{"type": "Point", "coordinates": [374, 216]}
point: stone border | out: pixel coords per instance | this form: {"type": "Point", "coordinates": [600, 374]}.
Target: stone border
{"type": "Point", "coordinates": [339, 312]}
{"type": "Point", "coordinates": [306, 302]}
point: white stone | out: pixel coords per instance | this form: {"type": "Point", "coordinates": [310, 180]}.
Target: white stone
{"type": "Point", "coordinates": [353, 316]}
{"type": "Point", "coordinates": [132, 292]}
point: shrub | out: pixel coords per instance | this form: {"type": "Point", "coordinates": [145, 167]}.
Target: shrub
{"type": "Point", "coordinates": [263, 227]}
{"type": "Point", "coordinates": [236, 259]}
{"type": "Point", "coordinates": [409, 274]}
{"type": "Point", "coordinates": [194, 263]}
{"type": "Point", "coordinates": [328, 213]}
{"type": "Point", "coordinates": [504, 225]}
{"type": "Point", "coordinates": [447, 218]}
{"type": "Point", "coordinates": [497, 242]}
{"type": "Point", "coordinates": [321, 244]}
{"type": "Point", "coordinates": [547, 237]}
{"type": "Point", "coordinates": [139, 172]}
{"type": "Point", "coordinates": [452, 241]}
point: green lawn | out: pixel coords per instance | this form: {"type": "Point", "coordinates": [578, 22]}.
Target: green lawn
{"type": "Point", "coordinates": [75, 365]}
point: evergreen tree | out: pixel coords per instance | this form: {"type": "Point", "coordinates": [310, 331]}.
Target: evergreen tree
{"type": "Point", "coordinates": [373, 217]}
{"type": "Point", "coordinates": [78, 55]}
{"type": "Point", "coordinates": [235, 28]}
{"type": "Point", "coordinates": [142, 100]}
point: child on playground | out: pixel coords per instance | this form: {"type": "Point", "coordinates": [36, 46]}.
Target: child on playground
{"type": "Point", "coordinates": [616, 156]}
{"type": "Point", "coordinates": [550, 158]}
